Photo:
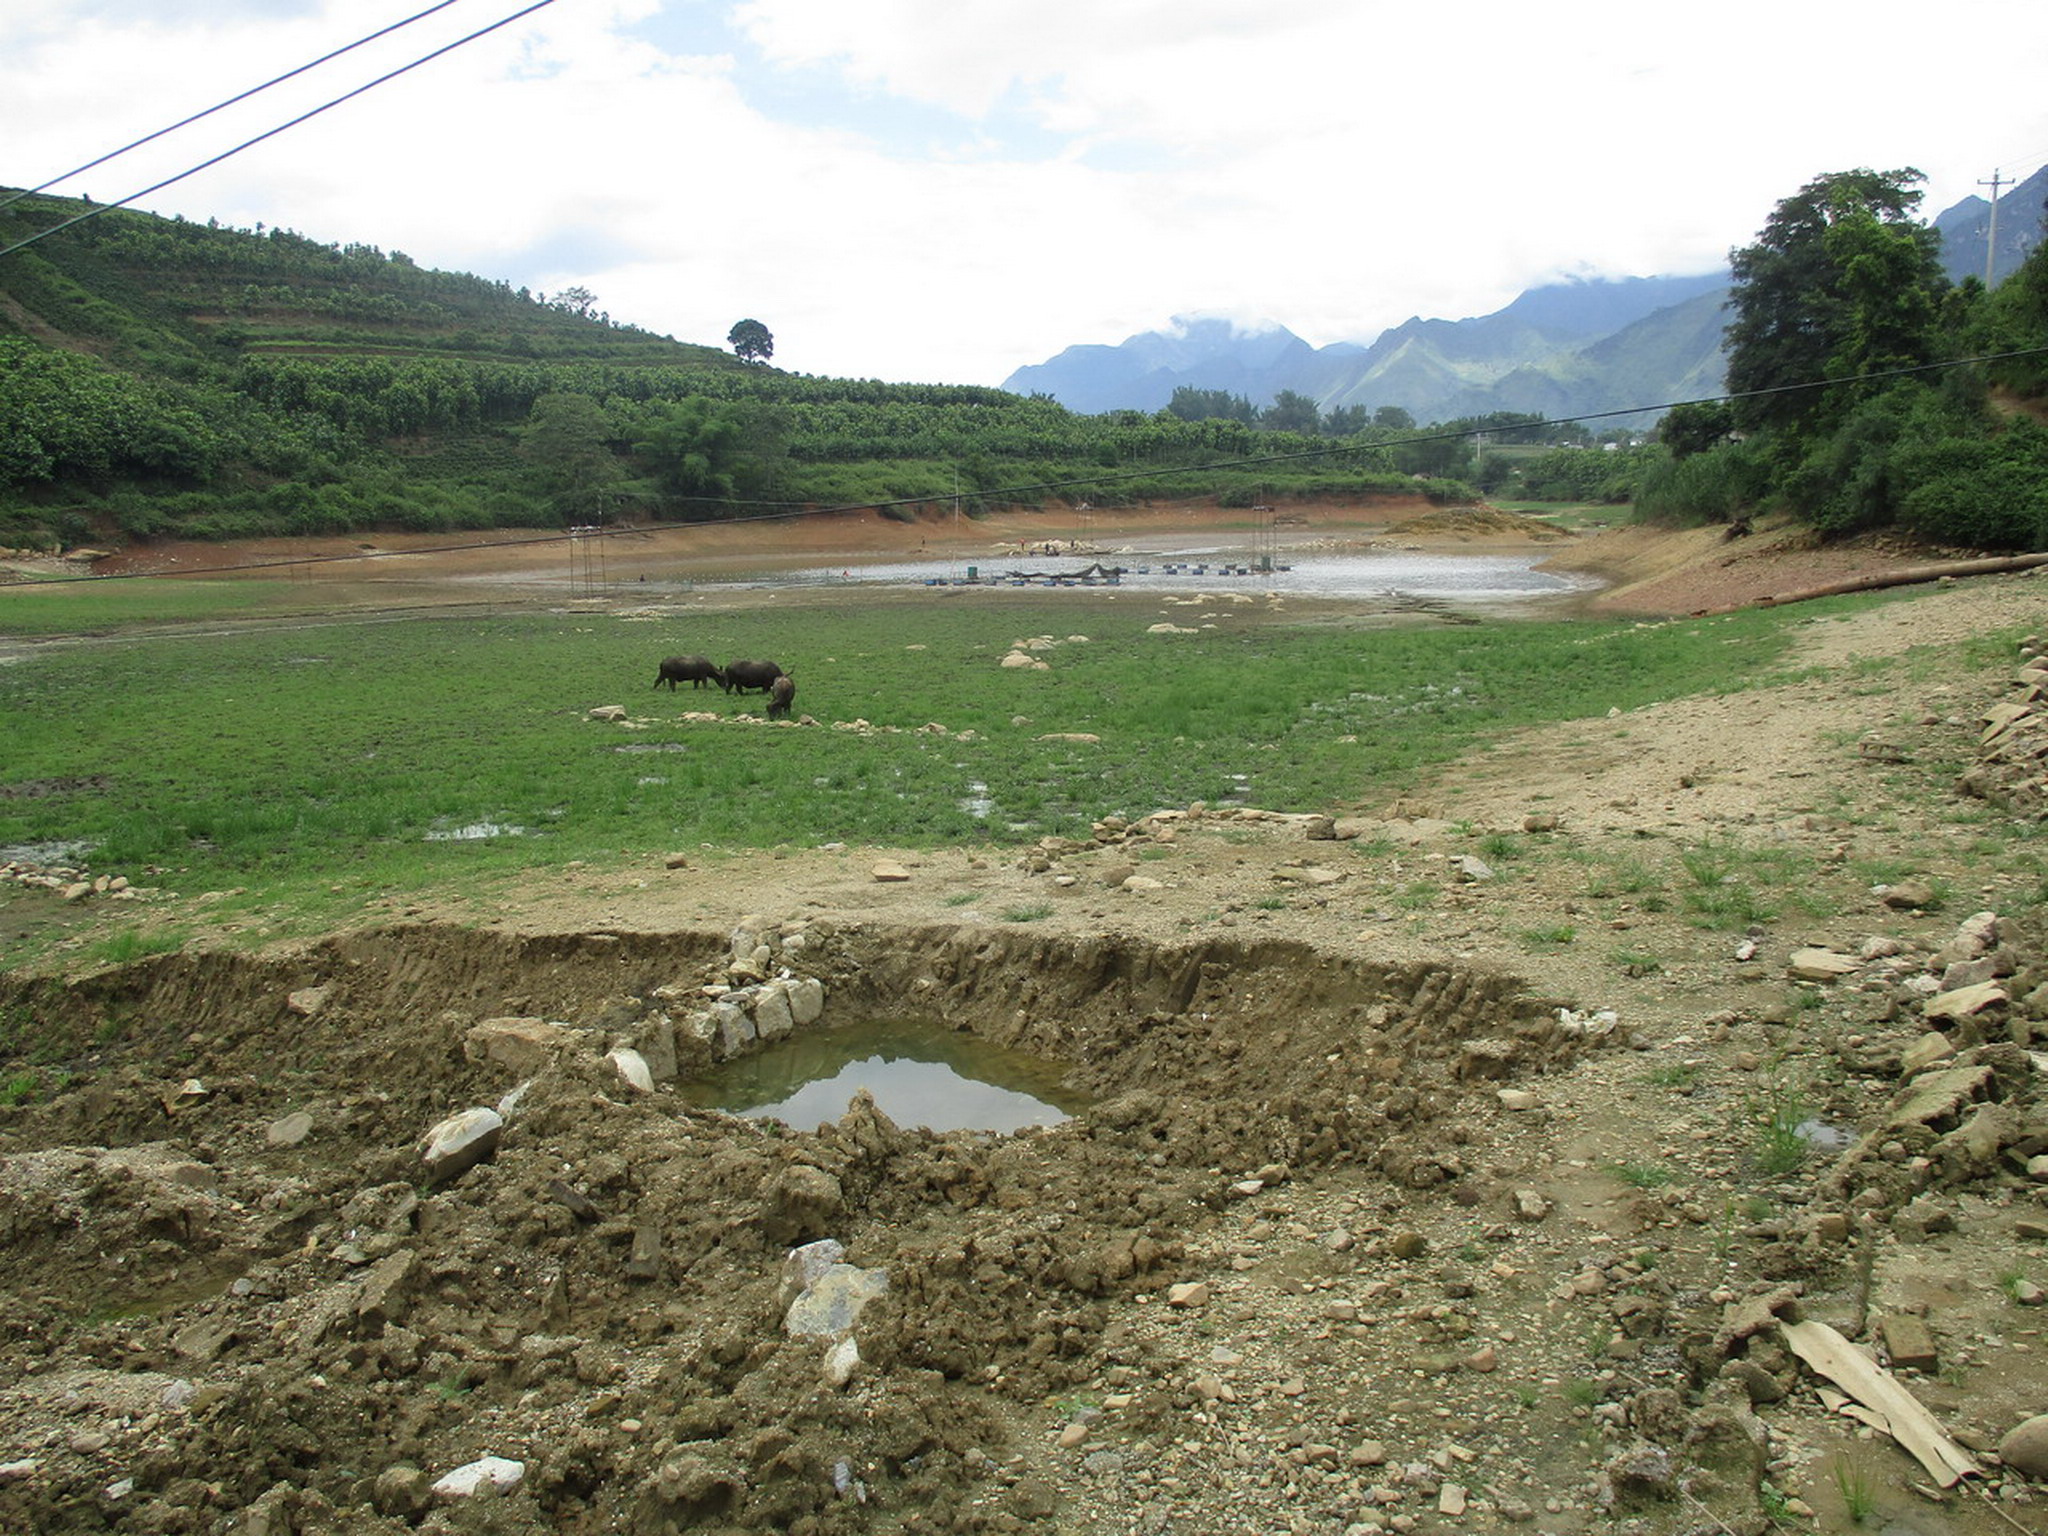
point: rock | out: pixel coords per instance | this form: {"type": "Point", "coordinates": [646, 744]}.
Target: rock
{"type": "Point", "coordinates": [289, 1131]}
{"type": "Point", "coordinates": [1965, 1001]}
{"type": "Point", "coordinates": [384, 1297]}
{"type": "Point", "coordinates": [832, 1303]}
{"type": "Point", "coordinates": [465, 1481]}
{"type": "Point", "coordinates": [1471, 869]}
{"type": "Point", "coordinates": [456, 1145]}
{"type": "Point", "coordinates": [1909, 895]}
{"type": "Point", "coordinates": [1188, 1296]}
{"type": "Point", "coordinates": [643, 1261]}
{"type": "Point", "coordinates": [2025, 1448]}
{"type": "Point", "coordinates": [1530, 1206]}
{"type": "Point", "coordinates": [806, 1000]}
{"type": "Point", "coordinates": [402, 1492]}
{"type": "Point", "coordinates": [1816, 964]}
{"type": "Point", "coordinates": [523, 1045]}
{"type": "Point", "coordinates": [1908, 1342]}
{"type": "Point", "coordinates": [1924, 1053]}
{"type": "Point", "coordinates": [773, 1017]}
{"type": "Point", "coordinates": [1516, 1098]}
{"type": "Point", "coordinates": [610, 713]}
{"type": "Point", "coordinates": [889, 871]}
{"type": "Point", "coordinates": [1408, 1245]}
{"type": "Point", "coordinates": [632, 1069]}
{"type": "Point", "coordinates": [1320, 829]}
{"type": "Point", "coordinates": [800, 1203]}
{"type": "Point", "coordinates": [307, 1001]}
{"type": "Point", "coordinates": [841, 1361]}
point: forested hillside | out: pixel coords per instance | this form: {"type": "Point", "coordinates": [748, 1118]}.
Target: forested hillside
{"type": "Point", "coordinates": [159, 377]}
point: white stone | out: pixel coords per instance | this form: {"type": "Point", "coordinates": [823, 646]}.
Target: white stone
{"type": "Point", "coordinates": [632, 1068]}
{"type": "Point", "coordinates": [460, 1142]}
{"type": "Point", "coordinates": [499, 1471]}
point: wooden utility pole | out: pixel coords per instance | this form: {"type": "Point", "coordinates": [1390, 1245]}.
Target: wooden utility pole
{"type": "Point", "coordinates": [1991, 239]}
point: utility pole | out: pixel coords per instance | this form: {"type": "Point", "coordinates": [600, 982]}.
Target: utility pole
{"type": "Point", "coordinates": [1991, 239]}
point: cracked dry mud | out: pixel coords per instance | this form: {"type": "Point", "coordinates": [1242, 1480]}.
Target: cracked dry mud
{"type": "Point", "coordinates": [1360, 1233]}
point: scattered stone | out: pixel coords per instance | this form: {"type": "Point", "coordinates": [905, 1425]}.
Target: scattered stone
{"type": "Point", "coordinates": [2025, 1448]}
{"type": "Point", "coordinates": [467, 1480]}
{"type": "Point", "coordinates": [1908, 1342]}
{"type": "Point", "coordinates": [1815, 964]}
{"type": "Point", "coordinates": [1965, 1001]}
{"type": "Point", "coordinates": [307, 1001]}
{"type": "Point", "coordinates": [456, 1145]}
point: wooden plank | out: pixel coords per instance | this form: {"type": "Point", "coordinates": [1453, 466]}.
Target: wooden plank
{"type": "Point", "coordinates": [1909, 1423]}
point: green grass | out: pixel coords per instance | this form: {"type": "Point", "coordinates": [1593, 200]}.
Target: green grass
{"type": "Point", "coordinates": [1643, 1175]}
{"type": "Point", "coordinates": [311, 769]}
{"type": "Point", "coordinates": [1549, 937]}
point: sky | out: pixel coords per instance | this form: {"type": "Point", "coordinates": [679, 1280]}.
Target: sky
{"type": "Point", "coordinates": [943, 191]}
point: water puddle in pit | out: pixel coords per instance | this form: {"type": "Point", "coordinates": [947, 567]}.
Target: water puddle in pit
{"type": "Point", "coordinates": [919, 1075]}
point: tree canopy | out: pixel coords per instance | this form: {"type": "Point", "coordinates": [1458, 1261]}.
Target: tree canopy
{"type": "Point", "coordinates": [1842, 282]}
{"type": "Point", "coordinates": [750, 341]}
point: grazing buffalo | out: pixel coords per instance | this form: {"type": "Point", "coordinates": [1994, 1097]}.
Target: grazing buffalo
{"type": "Point", "coordinates": [694, 670]}
{"type": "Point", "coordinates": [780, 692]}
{"type": "Point", "coordinates": [751, 676]}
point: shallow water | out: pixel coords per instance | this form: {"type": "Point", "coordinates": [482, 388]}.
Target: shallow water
{"type": "Point", "coordinates": [1478, 578]}
{"type": "Point", "coordinates": [919, 1074]}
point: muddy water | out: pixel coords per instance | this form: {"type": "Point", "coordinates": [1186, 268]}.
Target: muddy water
{"type": "Point", "coordinates": [919, 1074]}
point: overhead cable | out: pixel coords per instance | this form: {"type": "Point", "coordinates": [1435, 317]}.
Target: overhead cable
{"type": "Point", "coordinates": [13, 198]}
{"type": "Point", "coordinates": [100, 208]}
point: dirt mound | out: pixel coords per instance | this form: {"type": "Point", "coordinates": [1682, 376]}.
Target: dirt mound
{"type": "Point", "coordinates": [251, 1292]}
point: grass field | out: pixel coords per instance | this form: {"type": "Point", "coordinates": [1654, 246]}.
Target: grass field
{"type": "Point", "coordinates": [317, 761]}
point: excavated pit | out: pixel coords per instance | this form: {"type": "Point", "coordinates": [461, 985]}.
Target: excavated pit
{"type": "Point", "coordinates": [218, 1223]}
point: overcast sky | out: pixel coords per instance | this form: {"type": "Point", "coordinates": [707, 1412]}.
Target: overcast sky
{"type": "Point", "coordinates": [946, 190]}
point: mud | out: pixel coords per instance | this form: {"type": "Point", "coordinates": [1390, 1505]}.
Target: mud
{"type": "Point", "coordinates": [263, 1307]}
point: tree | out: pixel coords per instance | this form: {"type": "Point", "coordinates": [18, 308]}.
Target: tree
{"type": "Point", "coordinates": [690, 445]}
{"type": "Point", "coordinates": [1695, 426]}
{"type": "Point", "coordinates": [750, 341]}
{"type": "Point", "coordinates": [1842, 281]}
{"type": "Point", "coordinates": [568, 440]}
{"type": "Point", "coordinates": [1291, 411]}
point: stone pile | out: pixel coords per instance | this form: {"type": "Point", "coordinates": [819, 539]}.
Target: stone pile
{"type": "Point", "coordinates": [2012, 747]}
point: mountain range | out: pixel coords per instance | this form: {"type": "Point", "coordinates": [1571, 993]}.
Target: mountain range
{"type": "Point", "coordinates": [1622, 348]}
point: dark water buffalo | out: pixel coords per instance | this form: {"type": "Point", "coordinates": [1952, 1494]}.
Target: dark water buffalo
{"type": "Point", "coordinates": [751, 676]}
{"type": "Point", "coordinates": [694, 670]}
{"type": "Point", "coordinates": [780, 692]}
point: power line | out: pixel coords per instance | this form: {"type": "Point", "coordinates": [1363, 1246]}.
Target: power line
{"type": "Point", "coordinates": [96, 211]}
{"type": "Point", "coordinates": [11, 200]}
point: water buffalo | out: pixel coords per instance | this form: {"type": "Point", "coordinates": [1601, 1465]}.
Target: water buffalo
{"type": "Point", "coordinates": [694, 670]}
{"type": "Point", "coordinates": [780, 692]}
{"type": "Point", "coordinates": [751, 676]}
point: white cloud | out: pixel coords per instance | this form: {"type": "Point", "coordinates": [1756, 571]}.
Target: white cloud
{"type": "Point", "coordinates": [943, 191]}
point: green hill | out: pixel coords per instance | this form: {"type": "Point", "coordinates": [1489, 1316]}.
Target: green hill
{"type": "Point", "coordinates": [160, 377]}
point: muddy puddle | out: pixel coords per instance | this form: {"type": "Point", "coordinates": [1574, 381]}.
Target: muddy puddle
{"type": "Point", "coordinates": [247, 1294]}
{"type": "Point", "coordinates": [921, 1077]}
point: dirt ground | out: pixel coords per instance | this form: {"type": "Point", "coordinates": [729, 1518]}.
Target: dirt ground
{"type": "Point", "coordinates": [1452, 1165]}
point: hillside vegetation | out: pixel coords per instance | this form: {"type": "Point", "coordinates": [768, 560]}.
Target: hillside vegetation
{"type": "Point", "coordinates": [161, 377]}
